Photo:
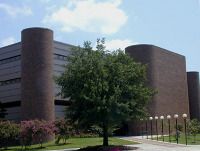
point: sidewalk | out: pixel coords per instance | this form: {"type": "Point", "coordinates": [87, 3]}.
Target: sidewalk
{"type": "Point", "coordinates": [70, 149]}
{"type": "Point", "coordinates": [151, 145]}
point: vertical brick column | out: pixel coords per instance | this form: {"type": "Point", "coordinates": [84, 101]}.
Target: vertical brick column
{"type": "Point", "coordinates": [194, 97]}
{"type": "Point", "coordinates": [37, 75]}
{"type": "Point", "coordinates": [166, 73]}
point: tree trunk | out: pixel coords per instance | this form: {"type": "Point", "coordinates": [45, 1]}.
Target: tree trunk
{"type": "Point", "coordinates": [105, 135]}
{"type": "Point", "coordinates": [194, 138]}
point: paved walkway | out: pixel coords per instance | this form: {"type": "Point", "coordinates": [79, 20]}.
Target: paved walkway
{"type": "Point", "coordinates": [70, 149]}
{"type": "Point", "coordinates": [150, 145]}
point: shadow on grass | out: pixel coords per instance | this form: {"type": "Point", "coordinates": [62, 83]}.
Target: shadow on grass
{"type": "Point", "coordinates": [61, 144]}
{"type": "Point", "coordinates": [34, 148]}
{"type": "Point", "coordinates": [107, 148]}
{"type": "Point", "coordinates": [24, 149]}
{"type": "Point", "coordinates": [31, 148]}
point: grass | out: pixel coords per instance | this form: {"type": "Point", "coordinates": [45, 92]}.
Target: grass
{"type": "Point", "coordinates": [181, 140]}
{"type": "Point", "coordinates": [74, 143]}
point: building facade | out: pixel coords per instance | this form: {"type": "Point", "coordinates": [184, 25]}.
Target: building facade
{"type": "Point", "coordinates": [166, 73]}
{"type": "Point", "coordinates": [194, 95]}
{"type": "Point", "coordinates": [27, 69]}
{"type": "Point", "coordinates": [28, 91]}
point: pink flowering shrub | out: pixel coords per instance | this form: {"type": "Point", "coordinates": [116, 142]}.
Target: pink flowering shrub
{"type": "Point", "coordinates": [35, 131]}
{"type": "Point", "coordinates": [26, 132]}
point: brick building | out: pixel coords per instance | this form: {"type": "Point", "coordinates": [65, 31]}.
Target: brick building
{"type": "Point", "coordinates": [27, 68]}
{"type": "Point", "coordinates": [28, 91]}
{"type": "Point", "coordinates": [177, 90]}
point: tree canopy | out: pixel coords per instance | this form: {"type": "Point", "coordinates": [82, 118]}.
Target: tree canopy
{"type": "Point", "coordinates": [105, 88]}
{"type": "Point", "coordinates": [194, 128]}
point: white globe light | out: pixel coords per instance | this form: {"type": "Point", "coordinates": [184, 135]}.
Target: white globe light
{"type": "Point", "coordinates": [156, 117]}
{"type": "Point", "coordinates": [150, 118]}
{"type": "Point", "coordinates": [184, 115]}
{"type": "Point", "coordinates": [175, 115]}
{"type": "Point", "coordinates": [162, 117]}
{"type": "Point", "coordinates": [168, 116]}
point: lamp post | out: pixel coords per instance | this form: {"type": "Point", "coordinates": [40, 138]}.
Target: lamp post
{"type": "Point", "coordinates": [168, 118]}
{"type": "Point", "coordinates": [176, 117]}
{"type": "Point", "coordinates": [151, 118]}
{"type": "Point", "coordinates": [156, 118]}
{"type": "Point", "coordinates": [162, 118]}
{"type": "Point", "coordinates": [146, 128]}
{"type": "Point", "coordinates": [184, 117]}
{"type": "Point", "coordinates": [141, 122]}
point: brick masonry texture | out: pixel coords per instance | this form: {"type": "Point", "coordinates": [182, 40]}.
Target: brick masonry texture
{"type": "Point", "coordinates": [177, 91]}
{"type": "Point", "coordinates": [193, 91]}
{"type": "Point", "coordinates": [37, 78]}
{"type": "Point", "coordinates": [166, 73]}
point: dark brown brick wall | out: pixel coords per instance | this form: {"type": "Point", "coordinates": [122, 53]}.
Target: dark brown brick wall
{"type": "Point", "coordinates": [166, 73]}
{"type": "Point", "coordinates": [37, 78]}
{"type": "Point", "coordinates": [193, 92]}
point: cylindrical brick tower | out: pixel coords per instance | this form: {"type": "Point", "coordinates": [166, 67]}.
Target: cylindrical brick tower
{"type": "Point", "coordinates": [36, 74]}
{"type": "Point", "coordinates": [166, 74]}
{"type": "Point", "coordinates": [194, 96]}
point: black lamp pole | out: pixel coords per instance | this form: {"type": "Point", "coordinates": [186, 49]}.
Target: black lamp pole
{"type": "Point", "coordinates": [151, 129]}
{"type": "Point", "coordinates": [162, 118]}
{"type": "Point", "coordinates": [176, 117]}
{"type": "Point", "coordinates": [169, 130]}
{"type": "Point", "coordinates": [156, 118]}
{"type": "Point", "coordinates": [176, 132]}
{"type": "Point", "coordinates": [184, 117]}
{"type": "Point", "coordinates": [185, 131]}
{"type": "Point", "coordinates": [151, 119]}
{"type": "Point", "coordinates": [146, 129]}
{"type": "Point", "coordinates": [162, 131]}
{"type": "Point", "coordinates": [142, 132]}
{"type": "Point", "coordinates": [157, 129]}
{"type": "Point", "coordinates": [169, 117]}
{"type": "Point", "coordinates": [141, 123]}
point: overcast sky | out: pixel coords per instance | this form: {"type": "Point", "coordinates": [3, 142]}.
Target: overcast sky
{"type": "Point", "coordinates": [170, 24]}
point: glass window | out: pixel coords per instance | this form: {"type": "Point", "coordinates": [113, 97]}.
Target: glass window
{"type": "Point", "coordinates": [11, 81]}
{"type": "Point", "coordinates": [11, 59]}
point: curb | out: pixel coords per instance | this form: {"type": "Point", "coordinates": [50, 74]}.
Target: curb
{"type": "Point", "coordinates": [69, 149]}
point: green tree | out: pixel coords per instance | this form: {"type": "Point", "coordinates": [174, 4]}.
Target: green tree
{"type": "Point", "coordinates": [105, 88]}
{"type": "Point", "coordinates": [194, 128]}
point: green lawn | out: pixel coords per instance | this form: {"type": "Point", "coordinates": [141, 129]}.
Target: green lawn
{"type": "Point", "coordinates": [181, 140]}
{"type": "Point", "coordinates": [75, 143]}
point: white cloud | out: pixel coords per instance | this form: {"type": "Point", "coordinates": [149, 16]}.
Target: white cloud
{"type": "Point", "coordinates": [88, 15]}
{"type": "Point", "coordinates": [7, 41]}
{"type": "Point", "coordinates": [45, 1]}
{"type": "Point", "coordinates": [118, 43]}
{"type": "Point", "coordinates": [14, 11]}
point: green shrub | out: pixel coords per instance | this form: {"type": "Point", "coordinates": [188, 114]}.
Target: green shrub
{"type": "Point", "coordinates": [64, 130]}
{"type": "Point", "coordinates": [9, 133]}
{"type": "Point", "coordinates": [194, 128]}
